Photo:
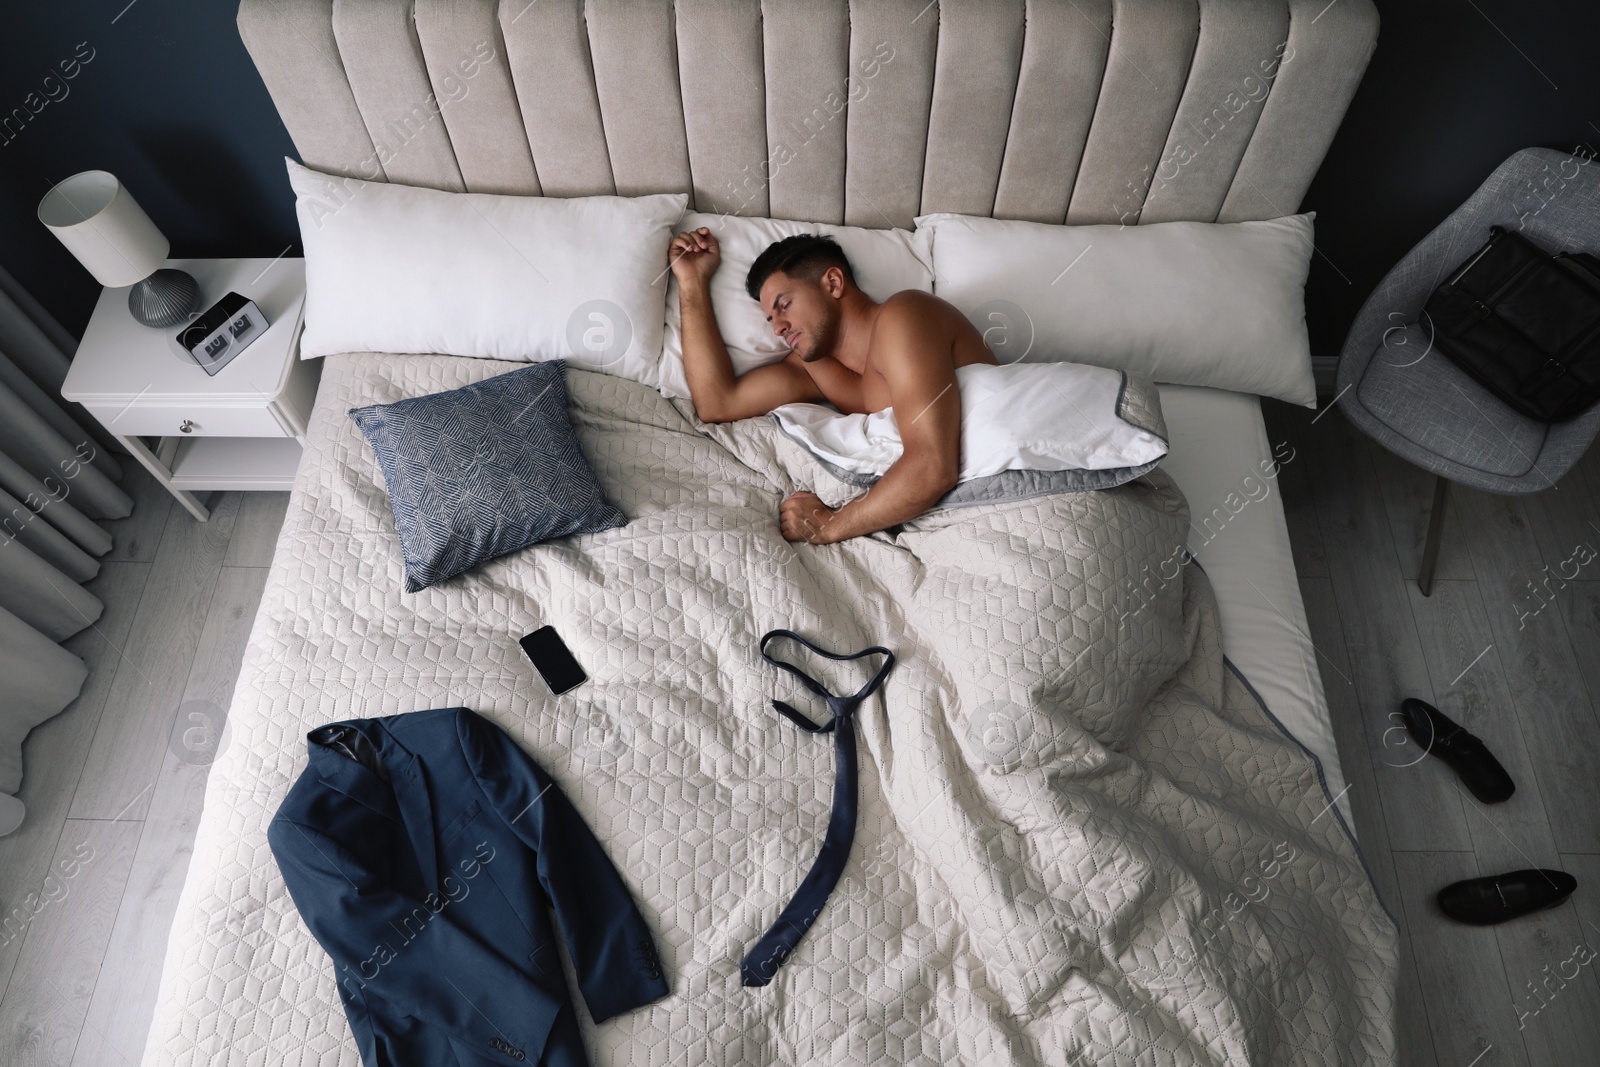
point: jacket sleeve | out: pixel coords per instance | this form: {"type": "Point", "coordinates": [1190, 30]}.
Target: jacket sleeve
{"type": "Point", "coordinates": [409, 953]}
{"type": "Point", "coordinates": [610, 944]}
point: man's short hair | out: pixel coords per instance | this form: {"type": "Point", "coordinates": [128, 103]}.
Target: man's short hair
{"type": "Point", "coordinates": [805, 255]}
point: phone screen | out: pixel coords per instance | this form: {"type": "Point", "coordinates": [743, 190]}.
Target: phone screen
{"type": "Point", "coordinates": [552, 660]}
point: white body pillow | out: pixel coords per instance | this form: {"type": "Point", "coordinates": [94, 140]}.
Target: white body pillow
{"type": "Point", "coordinates": [394, 268]}
{"type": "Point", "coordinates": [1192, 303]}
{"type": "Point", "coordinates": [1025, 416]}
{"type": "Point", "coordinates": [885, 262]}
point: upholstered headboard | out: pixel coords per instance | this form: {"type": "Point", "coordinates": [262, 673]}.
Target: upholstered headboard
{"type": "Point", "coordinates": [865, 112]}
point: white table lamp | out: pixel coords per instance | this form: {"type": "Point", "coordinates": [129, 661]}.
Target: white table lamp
{"type": "Point", "coordinates": [101, 223]}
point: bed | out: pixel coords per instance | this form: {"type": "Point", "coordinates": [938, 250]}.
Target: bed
{"type": "Point", "coordinates": [1168, 878]}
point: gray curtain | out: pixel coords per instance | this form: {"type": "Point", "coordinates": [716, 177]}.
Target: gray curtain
{"type": "Point", "coordinates": [56, 478]}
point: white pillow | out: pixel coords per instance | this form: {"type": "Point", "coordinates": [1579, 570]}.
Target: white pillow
{"type": "Point", "coordinates": [394, 268]}
{"type": "Point", "coordinates": [1023, 416]}
{"type": "Point", "coordinates": [1193, 303]}
{"type": "Point", "coordinates": [884, 262]}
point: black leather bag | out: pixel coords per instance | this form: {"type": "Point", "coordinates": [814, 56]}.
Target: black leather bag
{"type": "Point", "coordinates": [1525, 325]}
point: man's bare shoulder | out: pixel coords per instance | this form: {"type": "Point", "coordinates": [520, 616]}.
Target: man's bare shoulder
{"type": "Point", "coordinates": [916, 324]}
{"type": "Point", "coordinates": [913, 308]}
{"type": "Point", "coordinates": [914, 317]}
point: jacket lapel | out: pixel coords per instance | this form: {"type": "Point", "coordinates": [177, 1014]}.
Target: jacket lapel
{"type": "Point", "coordinates": [355, 758]}
{"type": "Point", "coordinates": [416, 809]}
{"type": "Point", "coordinates": [340, 770]}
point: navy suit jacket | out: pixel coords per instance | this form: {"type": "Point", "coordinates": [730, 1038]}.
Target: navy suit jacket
{"type": "Point", "coordinates": [423, 851]}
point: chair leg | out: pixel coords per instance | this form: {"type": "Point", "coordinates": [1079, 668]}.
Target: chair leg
{"type": "Point", "coordinates": [1430, 548]}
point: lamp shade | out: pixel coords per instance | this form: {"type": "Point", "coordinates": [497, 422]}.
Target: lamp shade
{"type": "Point", "coordinates": [103, 225]}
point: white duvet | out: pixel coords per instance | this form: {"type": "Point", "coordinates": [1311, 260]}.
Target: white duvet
{"type": "Point", "coordinates": [1080, 840]}
{"type": "Point", "coordinates": [1021, 416]}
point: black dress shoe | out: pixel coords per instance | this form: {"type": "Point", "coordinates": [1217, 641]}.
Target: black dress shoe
{"type": "Point", "coordinates": [1469, 757]}
{"type": "Point", "coordinates": [1499, 897]}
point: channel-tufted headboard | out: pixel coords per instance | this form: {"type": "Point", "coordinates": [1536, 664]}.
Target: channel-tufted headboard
{"type": "Point", "coordinates": [865, 112]}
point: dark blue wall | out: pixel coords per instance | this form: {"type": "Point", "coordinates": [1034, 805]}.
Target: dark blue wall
{"type": "Point", "coordinates": [171, 104]}
{"type": "Point", "coordinates": [1448, 96]}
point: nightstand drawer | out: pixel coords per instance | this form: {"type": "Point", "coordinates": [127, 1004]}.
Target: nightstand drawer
{"type": "Point", "coordinates": [185, 420]}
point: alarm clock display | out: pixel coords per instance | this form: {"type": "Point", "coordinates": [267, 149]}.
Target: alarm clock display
{"type": "Point", "coordinates": [222, 332]}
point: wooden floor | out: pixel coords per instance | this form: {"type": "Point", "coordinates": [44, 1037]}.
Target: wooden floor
{"type": "Point", "coordinates": [112, 784]}
{"type": "Point", "coordinates": [114, 797]}
{"type": "Point", "coordinates": [1517, 665]}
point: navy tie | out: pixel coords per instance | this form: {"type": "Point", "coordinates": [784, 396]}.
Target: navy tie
{"type": "Point", "coordinates": [775, 946]}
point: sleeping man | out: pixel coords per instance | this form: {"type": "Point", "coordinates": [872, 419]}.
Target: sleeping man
{"type": "Point", "coordinates": [845, 349]}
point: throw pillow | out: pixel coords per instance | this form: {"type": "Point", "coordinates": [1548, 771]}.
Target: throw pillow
{"type": "Point", "coordinates": [480, 471]}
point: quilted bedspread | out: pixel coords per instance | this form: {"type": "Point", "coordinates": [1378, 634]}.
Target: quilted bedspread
{"type": "Point", "coordinates": [1081, 839]}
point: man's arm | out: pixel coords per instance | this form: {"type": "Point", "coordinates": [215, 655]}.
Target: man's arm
{"type": "Point", "coordinates": [912, 354]}
{"type": "Point", "coordinates": [719, 395]}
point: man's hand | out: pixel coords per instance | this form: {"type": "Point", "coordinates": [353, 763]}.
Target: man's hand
{"type": "Point", "coordinates": [694, 256]}
{"type": "Point", "coordinates": [804, 517]}
{"type": "Point", "coordinates": [719, 395]}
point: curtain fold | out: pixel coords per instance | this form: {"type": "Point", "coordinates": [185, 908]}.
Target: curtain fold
{"type": "Point", "coordinates": [56, 478]}
{"type": "Point", "coordinates": [41, 678]}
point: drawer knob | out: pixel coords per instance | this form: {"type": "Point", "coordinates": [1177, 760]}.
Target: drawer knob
{"type": "Point", "coordinates": [186, 426]}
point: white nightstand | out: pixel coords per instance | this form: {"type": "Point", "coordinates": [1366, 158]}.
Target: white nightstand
{"type": "Point", "coordinates": [240, 429]}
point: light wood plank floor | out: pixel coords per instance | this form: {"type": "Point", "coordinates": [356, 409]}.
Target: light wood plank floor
{"type": "Point", "coordinates": [114, 793]}
{"type": "Point", "coordinates": [114, 784]}
{"type": "Point", "coordinates": [1510, 649]}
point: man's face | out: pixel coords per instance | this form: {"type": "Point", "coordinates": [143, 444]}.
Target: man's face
{"type": "Point", "coordinates": [804, 314]}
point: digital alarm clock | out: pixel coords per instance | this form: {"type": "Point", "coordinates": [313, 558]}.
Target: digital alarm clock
{"type": "Point", "coordinates": [222, 332]}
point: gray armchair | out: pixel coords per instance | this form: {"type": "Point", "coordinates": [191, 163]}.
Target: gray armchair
{"type": "Point", "coordinates": [1412, 400]}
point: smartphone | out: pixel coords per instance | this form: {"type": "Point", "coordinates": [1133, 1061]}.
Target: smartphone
{"type": "Point", "coordinates": [552, 660]}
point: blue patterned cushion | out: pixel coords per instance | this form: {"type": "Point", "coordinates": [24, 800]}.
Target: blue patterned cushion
{"type": "Point", "coordinates": [483, 470]}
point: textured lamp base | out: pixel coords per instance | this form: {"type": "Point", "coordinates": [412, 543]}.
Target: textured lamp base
{"type": "Point", "coordinates": [166, 298]}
